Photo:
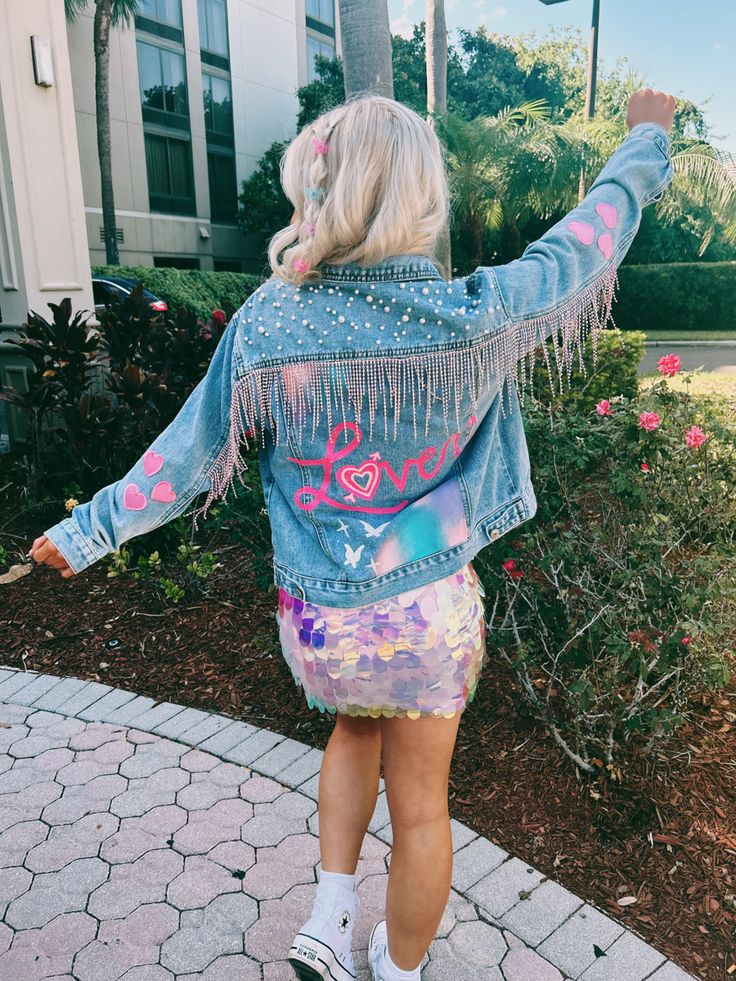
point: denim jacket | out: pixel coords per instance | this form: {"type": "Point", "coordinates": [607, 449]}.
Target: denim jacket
{"type": "Point", "coordinates": [384, 402]}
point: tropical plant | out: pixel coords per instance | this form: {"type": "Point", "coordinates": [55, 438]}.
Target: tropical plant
{"type": "Point", "coordinates": [108, 13]}
{"type": "Point", "coordinates": [511, 170]}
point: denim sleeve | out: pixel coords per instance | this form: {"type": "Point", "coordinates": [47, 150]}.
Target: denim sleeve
{"type": "Point", "coordinates": [562, 279]}
{"type": "Point", "coordinates": [169, 475]}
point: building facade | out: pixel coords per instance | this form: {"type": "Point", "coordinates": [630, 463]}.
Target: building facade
{"type": "Point", "coordinates": [199, 89]}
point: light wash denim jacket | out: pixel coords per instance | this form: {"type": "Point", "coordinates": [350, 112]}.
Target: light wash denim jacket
{"type": "Point", "coordinates": [391, 447]}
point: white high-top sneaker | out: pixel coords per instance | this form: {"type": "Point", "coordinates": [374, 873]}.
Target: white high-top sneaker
{"type": "Point", "coordinates": [322, 949]}
{"type": "Point", "coordinates": [377, 943]}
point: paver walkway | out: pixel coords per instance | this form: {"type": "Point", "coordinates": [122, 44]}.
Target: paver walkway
{"type": "Point", "coordinates": [146, 841]}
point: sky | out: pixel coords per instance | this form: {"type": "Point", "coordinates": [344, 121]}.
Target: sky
{"type": "Point", "coordinates": [683, 47]}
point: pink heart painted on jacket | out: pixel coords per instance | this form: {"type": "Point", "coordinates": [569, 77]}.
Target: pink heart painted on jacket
{"type": "Point", "coordinates": [605, 244]}
{"type": "Point", "coordinates": [163, 492]}
{"type": "Point", "coordinates": [585, 233]}
{"type": "Point", "coordinates": [133, 499]}
{"type": "Point", "coordinates": [608, 214]}
{"type": "Point", "coordinates": [368, 473]}
{"type": "Point", "coordinates": [152, 463]}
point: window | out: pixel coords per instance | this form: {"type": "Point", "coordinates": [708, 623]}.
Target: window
{"type": "Point", "coordinates": [218, 105]}
{"type": "Point", "coordinates": [223, 187]}
{"type": "Point", "coordinates": [322, 10]}
{"type": "Point", "coordinates": [213, 26]}
{"type": "Point", "coordinates": [104, 293]}
{"type": "Point", "coordinates": [224, 265]}
{"type": "Point", "coordinates": [161, 11]}
{"type": "Point", "coordinates": [316, 46]}
{"type": "Point", "coordinates": [170, 180]}
{"type": "Point", "coordinates": [175, 262]}
{"type": "Point", "coordinates": [162, 76]}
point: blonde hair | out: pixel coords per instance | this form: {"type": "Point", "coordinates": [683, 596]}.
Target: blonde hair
{"type": "Point", "coordinates": [367, 180]}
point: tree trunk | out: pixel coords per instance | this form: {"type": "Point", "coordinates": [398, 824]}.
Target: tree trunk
{"type": "Point", "coordinates": [366, 48]}
{"type": "Point", "coordinates": [103, 18]}
{"type": "Point", "coordinates": [436, 58]}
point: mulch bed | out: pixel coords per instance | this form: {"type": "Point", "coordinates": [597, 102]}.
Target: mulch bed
{"type": "Point", "coordinates": [666, 834]}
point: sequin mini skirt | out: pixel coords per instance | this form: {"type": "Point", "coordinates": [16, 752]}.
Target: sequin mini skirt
{"type": "Point", "coordinates": [416, 654]}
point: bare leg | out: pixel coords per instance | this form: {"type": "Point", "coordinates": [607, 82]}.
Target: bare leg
{"type": "Point", "coordinates": [348, 788]}
{"type": "Point", "coordinates": [416, 763]}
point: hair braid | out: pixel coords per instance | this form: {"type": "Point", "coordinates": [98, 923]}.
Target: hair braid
{"type": "Point", "coordinates": [300, 255]}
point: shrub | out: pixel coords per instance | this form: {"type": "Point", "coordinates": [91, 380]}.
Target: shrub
{"type": "Point", "coordinates": [83, 431]}
{"type": "Point", "coordinates": [615, 603]}
{"type": "Point", "coordinates": [199, 290]}
{"type": "Point", "coordinates": [615, 372]}
{"type": "Point", "coordinates": [677, 296]}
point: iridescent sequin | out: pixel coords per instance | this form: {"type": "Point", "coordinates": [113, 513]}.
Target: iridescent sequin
{"type": "Point", "coordinates": [416, 654]}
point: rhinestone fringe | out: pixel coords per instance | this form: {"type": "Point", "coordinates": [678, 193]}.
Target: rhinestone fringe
{"type": "Point", "coordinates": [281, 398]}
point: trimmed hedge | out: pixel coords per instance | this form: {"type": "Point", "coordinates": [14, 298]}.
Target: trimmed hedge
{"type": "Point", "coordinates": [676, 296]}
{"type": "Point", "coordinates": [658, 296]}
{"type": "Point", "coordinates": [200, 290]}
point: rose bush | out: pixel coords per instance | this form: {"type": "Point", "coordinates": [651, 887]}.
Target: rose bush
{"type": "Point", "coordinates": [616, 603]}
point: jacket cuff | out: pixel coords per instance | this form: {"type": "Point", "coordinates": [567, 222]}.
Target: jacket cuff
{"type": "Point", "coordinates": [655, 132]}
{"type": "Point", "coordinates": [76, 549]}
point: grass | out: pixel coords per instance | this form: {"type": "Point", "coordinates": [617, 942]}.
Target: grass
{"type": "Point", "coordinates": [702, 383]}
{"type": "Point", "coordinates": [691, 335]}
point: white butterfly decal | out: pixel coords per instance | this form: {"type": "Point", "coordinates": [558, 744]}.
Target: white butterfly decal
{"type": "Point", "coordinates": [352, 555]}
{"type": "Point", "coordinates": [372, 532]}
{"type": "Point", "coordinates": [341, 526]}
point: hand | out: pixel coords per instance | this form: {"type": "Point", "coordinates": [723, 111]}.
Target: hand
{"type": "Point", "coordinates": [43, 551]}
{"type": "Point", "coordinates": [651, 106]}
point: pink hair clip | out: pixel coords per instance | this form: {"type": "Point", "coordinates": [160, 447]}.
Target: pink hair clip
{"type": "Point", "coordinates": [300, 265]}
{"type": "Point", "coordinates": [320, 147]}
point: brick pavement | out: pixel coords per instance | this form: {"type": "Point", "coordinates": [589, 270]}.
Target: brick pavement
{"type": "Point", "coordinates": [147, 841]}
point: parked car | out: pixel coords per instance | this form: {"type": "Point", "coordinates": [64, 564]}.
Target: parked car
{"type": "Point", "coordinates": [116, 289]}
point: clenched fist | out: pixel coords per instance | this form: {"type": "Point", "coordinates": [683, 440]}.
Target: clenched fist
{"type": "Point", "coordinates": [44, 551]}
{"type": "Point", "coordinates": [651, 106]}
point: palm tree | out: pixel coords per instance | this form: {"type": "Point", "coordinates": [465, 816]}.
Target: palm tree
{"type": "Point", "coordinates": [366, 47]}
{"type": "Point", "coordinates": [517, 166]}
{"type": "Point", "coordinates": [107, 14]}
{"type": "Point", "coordinates": [436, 58]}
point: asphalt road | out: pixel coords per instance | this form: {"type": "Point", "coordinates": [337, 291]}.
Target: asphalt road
{"type": "Point", "coordinates": [716, 356]}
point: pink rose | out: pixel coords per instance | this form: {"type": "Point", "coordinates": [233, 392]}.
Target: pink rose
{"type": "Point", "coordinates": [649, 420]}
{"type": "Point", "coordinates": [695, 437]}
{"type": "Point", "coordinates": [686, 641]}
{"type": "Point", "coordinates": [510, 567]}
{"type": "Point", "coordinates": [669, 365]}
{"type": "Point", "coordinates": [603, 408]}
{"type": "Point", "coordinates": [645, 467]}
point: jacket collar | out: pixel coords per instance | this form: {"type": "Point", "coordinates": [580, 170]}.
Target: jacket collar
{"type": "Point", "coordinates": [395, 267]}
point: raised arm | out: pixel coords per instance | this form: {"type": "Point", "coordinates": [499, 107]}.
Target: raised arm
{"type": "Point", "coordinates": [563, 284]}
{"type": "Point", "coordinates": [161, 485]}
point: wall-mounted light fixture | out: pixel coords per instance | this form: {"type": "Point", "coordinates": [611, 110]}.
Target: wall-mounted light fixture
{"type": "Point", "coordinates": [43, 65]}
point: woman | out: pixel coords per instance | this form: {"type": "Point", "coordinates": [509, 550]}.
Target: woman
{"type": "Point", "coordinates": [377, 393]}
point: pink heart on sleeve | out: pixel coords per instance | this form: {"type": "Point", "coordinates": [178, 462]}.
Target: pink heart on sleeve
{"type": "Point", "coordinates": [608, 214]}
{"type": "Point", "coordinates": [163, 492]}
{"type": "Point", "coordinates": [133, 499]}
{"type": "Point", "coordinates": [152, 462]}
{"type": "Point", "coordinates": [605, 244]}
{"type": "Point", "coordinates": [584, 232]}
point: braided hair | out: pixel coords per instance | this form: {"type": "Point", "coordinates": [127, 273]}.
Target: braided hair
{"type": "Point", "coordinates": [299, 256]}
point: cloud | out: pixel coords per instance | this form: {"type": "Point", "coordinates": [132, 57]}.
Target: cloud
{"type": "Point", "coordinates": [403, 24]}
{"type": "Point", "coordinates": [498, 11]}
